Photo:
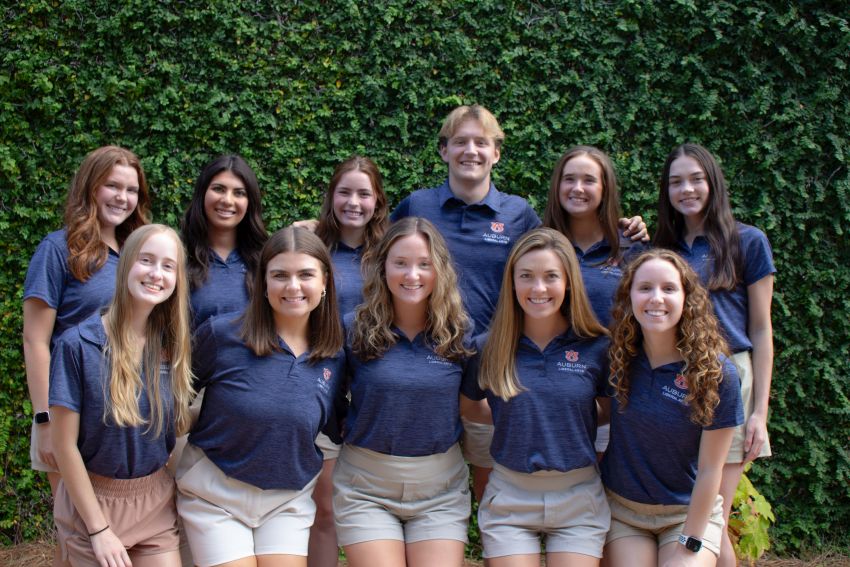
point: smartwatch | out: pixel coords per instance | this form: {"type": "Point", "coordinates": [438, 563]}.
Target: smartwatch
{"type": "Point", "coordinates": [690, 543]}
{"type": "Point", "coordinates": [42, 417]}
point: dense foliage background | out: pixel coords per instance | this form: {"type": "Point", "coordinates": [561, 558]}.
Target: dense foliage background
{"type": "Point", "coordinates": [297, 86]}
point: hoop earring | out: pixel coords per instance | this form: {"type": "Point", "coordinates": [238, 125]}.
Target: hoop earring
{"type": "Point", "coordinates": [324, 292]}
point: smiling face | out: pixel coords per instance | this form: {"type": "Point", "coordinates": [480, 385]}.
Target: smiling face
{"type": "Point", "coordinates": [540, 284]}
{"type": "Point", "coordinates": [353, 201]}
{"type": "Point", "coordinates": [658, 297]}
{"type": "Point", "coordinates": [470, 153]}
{"type": "Point", "coordinates": [153, 275]}
{"type": "Point", "coordinates": [580, 192]}
{"type": "Point", "coordinates": [116, 198]}
{"type": "Point", "coordinates": [410, 272]}
{"type": "Point", "coordinates": [225, 202]}
{"type": "Point", "coordinates": [294, 285]}
{"type": "Point", "coordinates": [688, 187]}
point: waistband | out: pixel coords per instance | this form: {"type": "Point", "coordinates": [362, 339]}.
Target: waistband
{"type": "Point", "coordinates": [546, 480]}
{"type": "Point", "coordinates": [118, 487]}
{"type": "Point", "coordinates": [402, 468]}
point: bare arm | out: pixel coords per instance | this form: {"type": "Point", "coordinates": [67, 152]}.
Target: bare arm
{"type": "Point", "coordinates": [39, 320]}
{"type": "Point", "coordinates": [760, 332]}
{"type": "Point", "coordinates": [603, 411]}
{"type": "Point", "coordinates": [713, 447]}
{"type": "Point", "coordinates": [108, 549]}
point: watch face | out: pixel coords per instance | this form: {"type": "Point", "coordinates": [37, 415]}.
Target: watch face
{"type": "Point", "coordinates": [693, 544]}
{"type": "Point", "coordinates": [42, 417]}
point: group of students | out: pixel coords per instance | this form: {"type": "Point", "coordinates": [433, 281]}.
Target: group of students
{"type": "Point", "coordinates": [341, 365]}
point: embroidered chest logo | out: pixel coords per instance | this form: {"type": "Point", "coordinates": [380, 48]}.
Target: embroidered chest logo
{"type": "Point", "coordinates": [572, 363]}
{"type": "Point", "coordinates": [437, 359]}
{"type": "Point", "coordinates": [677, 394]}
{"type": "Point", "coordinates": [496, 235]}
{"type": "Point", "coordinates": [324, 380]}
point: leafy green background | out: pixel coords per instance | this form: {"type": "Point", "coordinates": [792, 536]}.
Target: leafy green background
{"type": "Point", "coordinates": [297, 86]}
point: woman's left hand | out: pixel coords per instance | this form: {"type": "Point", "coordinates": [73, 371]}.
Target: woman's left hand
{"type": "Point", "coordinates": [756, 434]}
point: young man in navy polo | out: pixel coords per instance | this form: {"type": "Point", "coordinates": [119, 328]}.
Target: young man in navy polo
{"type": "Point", "coordinates": [479, 222]}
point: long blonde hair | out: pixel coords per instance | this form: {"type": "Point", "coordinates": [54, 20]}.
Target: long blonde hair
{"type": "Point", "coordinates": [447, 321]}
{"type": "Point", "coordinates": [498, 359]}
{"type": "Point", "coordinates": [698, 338]}
{"type": "Point", "coordinates": [167, 338]}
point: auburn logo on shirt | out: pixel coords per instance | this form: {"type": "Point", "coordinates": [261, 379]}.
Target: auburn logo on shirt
{"type": "Point", "coordinates": [497, 226]}
{"type": "Point", "coordinates": [681, 382]}
{"type": "Point", "coordinates": [571, 355]}
{"type": "Point", "coordinates": [326, 374]}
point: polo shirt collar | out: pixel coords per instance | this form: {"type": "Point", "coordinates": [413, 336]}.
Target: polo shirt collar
{"type": "Point", "coordinates": [491, 200]}
{"type": "Point", "coordinates": [92, 330]}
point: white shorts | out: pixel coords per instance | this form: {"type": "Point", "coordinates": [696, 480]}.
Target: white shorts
{"type": "Point", "coordinates": [330, 450]}
{"type": "Point", "coordinates": [476, 441]}
{"type": "Point", "coordinates": [227, 519]}
{"type": "Point", "coordinates": [568, 508]}
{"type": "Point", "coordinates": [410, 499]}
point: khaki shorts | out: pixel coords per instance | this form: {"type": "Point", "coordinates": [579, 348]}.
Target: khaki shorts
{"type": "Point", "coordinates": [661, 522]}
{"type": "Point", "coordinates": [744, 362]}
{"type": "Point", "coordinates": [569, 508]}
{"type": "Point", "coordinates": [140, 511]}
{"type": "Point", "coordinates": [476, 443]}
{"type": "Point", "coordinates": [330, 450]}
{"type": "Point", "coordinates": [227, 519]}
{"type": "Point", "coordinates": [379, 497]}
{"type": "Point", "coordinates": [35, 461]}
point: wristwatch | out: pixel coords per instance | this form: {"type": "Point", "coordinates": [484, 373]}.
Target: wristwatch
{"type": "Point", "coordinates": [42, 417]}
{"type": "Point", "coordinates": [690, 543]}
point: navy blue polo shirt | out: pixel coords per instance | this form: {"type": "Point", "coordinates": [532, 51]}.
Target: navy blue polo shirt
{"type": "Point", "coordinates": [654, 449]}
{"type": "Point", "coordinates": [601, 276]}
{"type": "Point", "coordinates": [50, 279]}
{"type": "Point", "coordinates": [479, 236]}
{"type": "Point", "coordinates": [348, 279]}
{"type": "Point", "coordinates": [551, 425]}
{"type": "Point", "coordinates": [732, 307]}
{"type": "Point", "coordinates": [405, 403]}
{"type": "Point", "coordinates": [224, 291]}
{"type": "Point", "coordinates": [261, 414]}
{"type": "Point", "coordinates": [79, 381]}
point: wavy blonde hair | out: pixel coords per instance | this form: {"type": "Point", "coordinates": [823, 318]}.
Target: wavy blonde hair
{"type": "Point", "coordinates": [698, 338]}
{"type": "Point", "coordinates": [87, 251]}
{"type": "Point", "coordinates": [447, 323]}
{"type": "Point", "coordinates": [167, 339]}
{"type": "Point", "coordinates": [498, 359]}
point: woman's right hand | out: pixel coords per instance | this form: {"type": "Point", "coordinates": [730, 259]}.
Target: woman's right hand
{"type": "Point", "coordinates": [108, 550]}
{"type": "Point", "coordinates": [45, 445]}
{"type": "Point", "coordinates": [309, 224]}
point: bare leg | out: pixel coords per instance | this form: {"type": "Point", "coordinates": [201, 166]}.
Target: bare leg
{"type": "Point", "coordinates": [631, 551]}
{"type": "Point", "coordinates": [323, 546]}
{"type": "Point", "coordinates": [519, 560]}
{"type": "Point", "coordinates": [728, 484]}
{"type": "Point", "coordinates": [703, 558]}
{"type": "Point", "coordinates": [435, 553]}
{"type": "Point", "coordinates": [564, 559]}
{"type": "Point", "coordinates": [168, 559]}
{"type": "Point", "coordinates": [376, 553]}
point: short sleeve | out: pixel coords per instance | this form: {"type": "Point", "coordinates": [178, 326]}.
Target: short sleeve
{"type": "Point", "coordinates": [46, 274]}
{"type": "Point", "coordinates": [758, 256]}
{"type": "Point", "coordinates": [730, 411]}
{"type": "Point", "coordinates": [204, 354]}
{"type": "Point", "coordinates": [66, 380]}
{"type": "Point", "coordinates": [469, 381]}
{"type": "Point", "coordinates": [402, 210]}
{"type": "Point", "coordinates": [532, 221]}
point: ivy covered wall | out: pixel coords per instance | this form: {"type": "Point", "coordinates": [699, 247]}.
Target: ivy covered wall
{"type": "Point", "coordinates": [297, 86]}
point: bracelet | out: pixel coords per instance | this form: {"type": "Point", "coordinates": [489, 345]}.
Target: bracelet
{"type": "Point", "coordinates": [100, 531]}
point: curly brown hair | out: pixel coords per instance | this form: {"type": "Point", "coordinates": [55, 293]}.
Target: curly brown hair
{"type": "Point", "coordinates": [698, 338]}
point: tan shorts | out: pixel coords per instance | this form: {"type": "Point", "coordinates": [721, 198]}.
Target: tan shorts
{"type": "Point", "coordinates": [661, 522]}
{"type": "Point", "coordinates": [568, 508]}
{"type": "Point", "coordinates": [476, 443]}
{"type": "Point", "coordinates": [35, 461]}
{"type": "Point", "coordinates": [744, 362]}
{"type": "Point", "coordinates": [227, 519]}
{"type": "Point", "coordinates": [330, 450]}
{"type": "Point", "coordinates": [140, 511]}
{"type": "Point", "coordinates": [409, 499]}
